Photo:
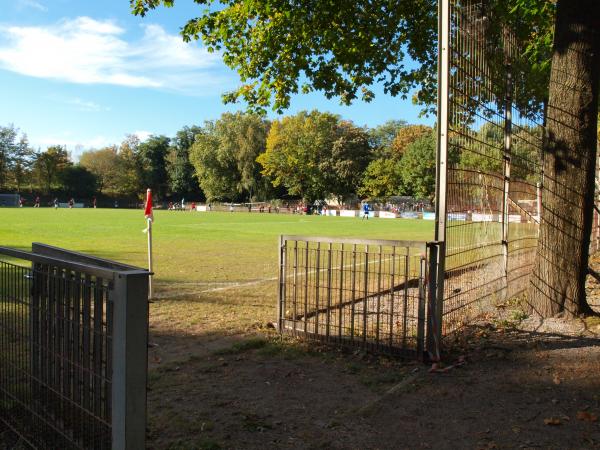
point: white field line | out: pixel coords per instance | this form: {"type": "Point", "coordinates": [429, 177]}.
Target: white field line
{"type": "Point", "coordinates": [234, 285]}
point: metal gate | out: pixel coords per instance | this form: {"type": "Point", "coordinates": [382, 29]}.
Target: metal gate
{"type": "Point", "coordinates": [73, 349]}
{"type": "Point", "coordinates": [366, 293]}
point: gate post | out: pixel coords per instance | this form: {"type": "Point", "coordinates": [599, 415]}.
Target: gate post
{"type": "Point", "coordinates": [435, 300]}
{"type": "Point", "coordinates": [438, 250]}
{"type": "Point", "coordinates": [130, 360]}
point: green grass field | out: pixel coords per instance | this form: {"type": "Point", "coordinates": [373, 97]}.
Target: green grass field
{"type": "Point", "coordinates": [212, 270]}
{"type": "Point", "coordinates": [189, 246]}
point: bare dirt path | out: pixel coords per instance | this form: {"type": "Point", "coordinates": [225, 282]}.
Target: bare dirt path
{"type": "Point", "coordinates": [532, 386]}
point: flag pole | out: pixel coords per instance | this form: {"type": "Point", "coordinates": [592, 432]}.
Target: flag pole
{"type": "Point", "coordinates": [148, 213]}
{"type": "Point", "coordinates": [150, 257]}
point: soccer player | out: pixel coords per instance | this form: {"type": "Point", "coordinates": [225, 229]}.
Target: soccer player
{"type": "Point", "coordinates": [365, 211]}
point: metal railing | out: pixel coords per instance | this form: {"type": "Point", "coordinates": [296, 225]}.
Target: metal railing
{"type": "Point", "coordinates": [365, 293]}
{"type": "Point", "coordinates": [73, 349]}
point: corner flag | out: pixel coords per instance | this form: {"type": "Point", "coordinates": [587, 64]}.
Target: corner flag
{"type": "Point", "coordinates": [149, 219]}
{"type": "Point", "coordinates": [148, 209]}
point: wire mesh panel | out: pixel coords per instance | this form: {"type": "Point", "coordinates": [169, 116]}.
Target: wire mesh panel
{"type": "Point", "coordinates": [73, 349]}
{"type": "Point", "coordinates": [495, 136]}
{"type": "Point", "coordinates": [360, 292]}
{"type": "Point", "coordinates": [56, 342]}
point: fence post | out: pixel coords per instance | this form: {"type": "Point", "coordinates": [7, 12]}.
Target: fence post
{"type": "Point", "coordinates": [130, 360]}
{"type": "Point", "coordinates": [438, 250]}
{"type": "Point", "coordinates": [435, 300]}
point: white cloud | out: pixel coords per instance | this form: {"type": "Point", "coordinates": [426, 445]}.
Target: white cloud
{"type": "Point", "coordinates": [74, 144]}
{"type": "Point", "coordinates": [87, 106]}
{"type": "Point", "coordinates": [79, 104]}
{"type": "Point", "coordinates": [143, 134]}
{"type": "Point", "coordinates": [23, 4]}
{"type": "Point", "coordinates": [89, 51]}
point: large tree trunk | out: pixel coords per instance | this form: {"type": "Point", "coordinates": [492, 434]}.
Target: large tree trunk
{"type": "Point", "coordinates": [558, 280]}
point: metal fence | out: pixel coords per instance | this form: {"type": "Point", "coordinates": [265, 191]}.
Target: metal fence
{"type": "Point", "coordinates": [367, 293]}
{"type": "Point", "coordinates": [490, 135]}
{"type": "Point", "coordinates": [73, 349]}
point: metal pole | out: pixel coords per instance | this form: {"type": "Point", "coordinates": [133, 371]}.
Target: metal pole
{"type": "Point", "coordinates": [421, 309]}
{"type": "Point", "coordinates": [539, 202]}
{"type": "Point", "coordinates": [130, 360]}
{"type": "Point", "coordinates": [434, 309]}
{"type": "Point", "coordinates": [150, 257]}
{"type": "Point", "coordinates": [506, 164]}
{"type": "Point", "coordinates": [280, 303]}
{"type": "Point", "coordinates": [441, 185]}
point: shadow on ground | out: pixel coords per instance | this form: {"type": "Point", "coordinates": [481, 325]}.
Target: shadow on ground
{"type": "Point", "coordinates": [515, 389]}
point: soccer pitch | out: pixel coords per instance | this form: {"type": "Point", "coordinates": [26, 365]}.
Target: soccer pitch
{"type": "Point", "coordinates": [208, 266]}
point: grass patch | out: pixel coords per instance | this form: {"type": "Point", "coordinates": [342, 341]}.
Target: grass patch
{"type": "Point", "coordinates": [243, 346]}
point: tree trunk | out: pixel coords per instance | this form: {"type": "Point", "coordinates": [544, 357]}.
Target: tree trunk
{"type": "Point", "coordinates": [560, 267]}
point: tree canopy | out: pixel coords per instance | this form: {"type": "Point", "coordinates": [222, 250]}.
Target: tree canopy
{"type": "Point", "coordinates": [280, 48]}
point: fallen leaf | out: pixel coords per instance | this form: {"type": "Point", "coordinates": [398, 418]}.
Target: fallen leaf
{"type": "Point", "coordinates": [586, 416]}
{"type": "Point", "coordinates": [556, 379]}
{"type": "Point", "coordinates": [552, 421]}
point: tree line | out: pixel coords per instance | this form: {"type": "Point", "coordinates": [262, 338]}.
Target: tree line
{"type": "Point", "coordinates": [238, 157]}
{"type": "Point", "coordinates": [244, 157]}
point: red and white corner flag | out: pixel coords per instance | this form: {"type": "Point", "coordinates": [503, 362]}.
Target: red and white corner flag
{"type": "Point", "coordinates": [148, 209]}
{"type": "Point", "coordinates": [149, 219]}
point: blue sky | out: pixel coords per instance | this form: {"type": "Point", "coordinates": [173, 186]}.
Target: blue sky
{"type": "Point", "coordinates": [84, 73]}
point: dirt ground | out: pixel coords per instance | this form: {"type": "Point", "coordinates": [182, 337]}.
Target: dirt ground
{"type": "Point", "coordinates": [512, 387]}
{"type": "Point", "coordinates": [510, 381]}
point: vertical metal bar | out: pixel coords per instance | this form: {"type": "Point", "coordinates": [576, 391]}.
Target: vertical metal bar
{"type": "Point", "coordinates": [405, 298]}
{"type": "Point", "coordinates": [506, 166]}
{"type": "Point", "coordinates": [341, 308]}
{"type": "Point", "coordinates": [442, 111]}
{"type": "Point", "coordinates": [58, 340]}
{"type": "Point", "coordinates": [34, 325]}
{"type": "Point", "coordinates": [317, 287]}
{"type": "Point", "coordinates": [109, 357]}
{"type": "Point", "coordinates": [130, 361]}
{"type": "Point", "coordinates": [392, 293]}
{"type": "Point", "coordinates": [441, 187]}
{"type": "Point", "coordinates": [378, 318]}
{"type": "Point", "coordinates": [353, 278]}
{"type": "Point", "coordinates": [295, 305]}
{"type": "Point", "coordinates": [76, 330]}
{"type": "Point", "coordinates": [306, 275]}
{"type": "Point", "coordinates": [421, 309]}
{"type": "Point", "coordinates": [281, 302]}
{"type": "Point", "coordinates": [538, 196]}
{"type": "Point", "coordinates": [86, 341]}
{"type": "Point", "coordinates": [365, 294]}
{"type": "Point", "coordinates": [67, 342]}
{"type": "Point", "coordinates": [434, 309]}
{"type": "Point", "coordinates": [97, 349]}
{"type": "Point", "coordinates": [328, 316]}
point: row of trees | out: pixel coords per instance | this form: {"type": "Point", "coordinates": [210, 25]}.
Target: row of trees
{"type": "Point", "coordinates": [239, 157]}
{"type": "Point", "coordinates": [122, 170]}
{"type": "Point", "coordinates": [21, 168]}
{"type": "Point", "coordinates": [243, 156]}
